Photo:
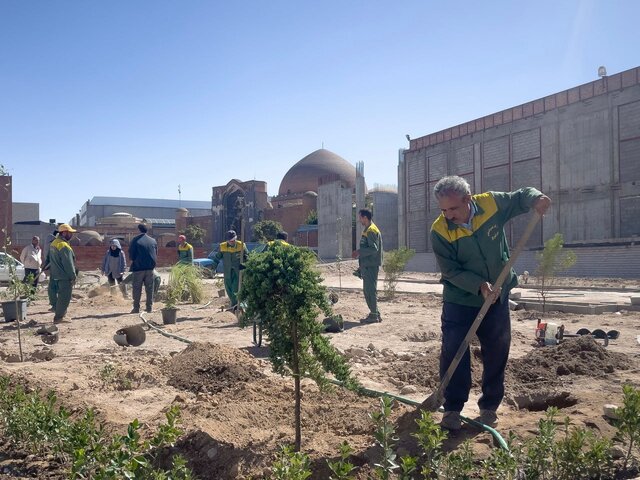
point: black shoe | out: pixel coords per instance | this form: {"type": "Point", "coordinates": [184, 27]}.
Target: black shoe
{"type": "Point", "coordinates": [148, 310]}
{"type": "Point", "coordinates": [372, 318]}
{"type": "Point", "coordinates": [135, 310]}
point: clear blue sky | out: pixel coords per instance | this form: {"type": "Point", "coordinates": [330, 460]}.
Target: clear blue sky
{"type": "Point", "coordinates": [133, 98]}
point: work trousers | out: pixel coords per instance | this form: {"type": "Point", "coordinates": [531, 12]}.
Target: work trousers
{"type": "Point", "coordinates": [118, 281]}
{"type": "Point", "coordinates": [60, 296]}
{"type": "Point", "coordinates": [369, 285]}
{"type": "Point", "coordinates": [231, 285]}
{"type": "Point", "coordinates": [143, 277]}
{"type": "Point", "coordinates": [494, 334]}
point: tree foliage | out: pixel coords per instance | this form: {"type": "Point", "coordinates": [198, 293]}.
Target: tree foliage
{"type": "Point", "coordinates": [552, 260]}
{"type": "Point", "coordinates": [393, 265]}
{"type": "Point", "coordinates": [266, 230]}
{"type": "Point", "coordinates": [282, 288]}
{"type": "Point", "coordinates": [195, 234]}
{"type": "Point", "coordinates": [312, 218]}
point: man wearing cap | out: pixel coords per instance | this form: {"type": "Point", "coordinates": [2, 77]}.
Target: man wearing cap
{"type": "Point", "coordinates": [143, 252]}
{"type": "Point", "coordinates": [232, 253]}
{"type": "Point", "coordinates": [62, 263]}
{"type": "Point", "coordinates": [185, 251]}
{"type": "Point", "coordinates": [31, 257]}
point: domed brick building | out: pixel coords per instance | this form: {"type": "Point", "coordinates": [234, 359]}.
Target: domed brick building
{"type": "Point", "coordinates": [298, 192]}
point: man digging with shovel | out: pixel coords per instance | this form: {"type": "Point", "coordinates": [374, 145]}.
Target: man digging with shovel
{"type": "Point", "coordinates": [471, 248]}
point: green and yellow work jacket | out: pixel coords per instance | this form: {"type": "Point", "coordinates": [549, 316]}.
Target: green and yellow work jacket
{"type": "Point", "coordinates": [470, 257]}
{"type": "Point", "coordinates": [61, 260]}
{"type": "Point", "coordinates": [231, 255]}
{"type": "Point", "coordinates": [370, 247]}
{"type": "Point", "coordinates": [185, 253]}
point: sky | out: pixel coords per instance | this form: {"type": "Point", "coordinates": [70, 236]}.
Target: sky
{"type": "Point", "coordinates": [145, 98]}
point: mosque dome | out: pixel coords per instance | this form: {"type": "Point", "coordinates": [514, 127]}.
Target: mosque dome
{"type": "Point", "coordinates": [304, 175]}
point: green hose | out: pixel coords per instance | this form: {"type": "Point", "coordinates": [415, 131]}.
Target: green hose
{"type": "Point", "coordinates": [374, 393]}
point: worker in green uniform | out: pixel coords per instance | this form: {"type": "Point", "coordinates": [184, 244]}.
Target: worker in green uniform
{"type": "Point", "coordinates": [185, 251]}
{"type": "Point", "coordinates": [281, 239]}
{"type": "Point", "coordinates": [62, 262]}
{"type": "Point", "coordinates": [369, 258]}
{"type": "Point", "coordinates": [233, 253]}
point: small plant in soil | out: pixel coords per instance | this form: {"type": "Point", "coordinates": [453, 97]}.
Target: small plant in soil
{"type": "Point", "coordinates": [291, 465]}
{"type": "Point", "coordinates": [112, 375]}
{"type": "Point", "coordinates": [628, 425]}
{"type": "Point", "coordinates": [393, 265]}
{"type": "Point", "coordinates": [342, 469]}
{"type": "Point", "coordinates": [552, 260]}
{"type": "Point", "coordinates": [385, 439]}
{"type": "Point", "coordinates": [283, 288]}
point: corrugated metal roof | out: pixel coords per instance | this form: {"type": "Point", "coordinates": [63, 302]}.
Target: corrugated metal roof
{"type": "Point", "coordinates": [161, 221]}
{"type": "Point", "coordinates": [150, 202]}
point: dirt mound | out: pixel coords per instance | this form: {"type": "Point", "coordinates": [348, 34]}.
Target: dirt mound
{"type": "Point", "coordinates": [578, 356]}
{"type": "Point", "coordinates": [208, 367]}
{"type": "Point", "coordinates": [535, 381]}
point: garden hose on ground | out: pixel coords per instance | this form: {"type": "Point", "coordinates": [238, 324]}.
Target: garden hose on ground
{"type": "Point", "coordinates": [375, 393]}
{"type": "Point", "coordinates": [366, 391]}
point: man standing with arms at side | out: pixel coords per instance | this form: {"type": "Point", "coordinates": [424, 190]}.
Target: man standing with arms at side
{"type": "Point", "coordinates": [31, 257]}
{"type": "Point", "coordinates": [471, 248]}
{"type": "Point", "coordinates": [62, 263]}
{"type": "Point", "coordinates": [143, 252]}
{"type": "Point", "coordinates": [369, 259]}
{"type": "Point", "coordinates": [185, 251]}
{"type": "Point", "coordinates": [232, 253]}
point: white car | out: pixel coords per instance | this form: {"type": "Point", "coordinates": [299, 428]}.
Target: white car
{"type": "Point", "coordinates": [5, 268]}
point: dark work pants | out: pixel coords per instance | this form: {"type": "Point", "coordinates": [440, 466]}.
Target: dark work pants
{"type": "Point", "coordinates": [494, 334]}
{"type": "Point", "coordinates": [369, 285]}
{"type": "Point", "coordinates": [143, 277]}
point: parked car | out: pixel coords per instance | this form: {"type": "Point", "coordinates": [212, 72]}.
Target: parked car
{"type": "Point", "coordinates": [206, 264]}
{"type": "Point", "coordinates": [5, 273]}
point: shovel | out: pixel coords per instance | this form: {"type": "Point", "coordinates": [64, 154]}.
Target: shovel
{"type": "Point", "coordinates": [436, 399]}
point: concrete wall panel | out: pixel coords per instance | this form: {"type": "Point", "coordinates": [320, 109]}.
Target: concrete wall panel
{"type": "Point", "coordinates": [495, 152]}
{"type": "Point", "coordinates": [629, 118]}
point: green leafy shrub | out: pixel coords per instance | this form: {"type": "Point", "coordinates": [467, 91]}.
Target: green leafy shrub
{"type": "Point", "coordinates": [393, 265]}
{"type": "Point", "coordinates": [291, 465]}
{"type": "Point", "coordinates": [36, 422]}
{"type": "Point", "coordinates": [266, 230]}
{"type": "Point", "coordinates": [283, 288]}
{"type": "Point", "coordinates": [185, 282]}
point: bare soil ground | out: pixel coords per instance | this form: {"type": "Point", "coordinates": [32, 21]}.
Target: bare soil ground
{"type": "Point", "coordinates": [236, 413]}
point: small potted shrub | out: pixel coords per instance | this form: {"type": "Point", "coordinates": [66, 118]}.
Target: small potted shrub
{"type": "Point", "coordinates": [16, 298]}
{"type": "Point", "coordinates": [170, 310]}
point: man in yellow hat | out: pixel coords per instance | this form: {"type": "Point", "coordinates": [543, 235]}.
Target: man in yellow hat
{"type": "Point", "coordinates": [62, 262]}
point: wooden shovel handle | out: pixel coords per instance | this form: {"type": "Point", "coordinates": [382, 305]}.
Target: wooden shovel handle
{"type": "Point", "coordinates": [488, 302]}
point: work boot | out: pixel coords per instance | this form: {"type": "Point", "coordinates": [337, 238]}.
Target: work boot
{"type": "Point", "coordinates": [488, 417]}
{"type": "Point", "coordinates": [451, 421]}
{"type": "Point", "coordinates": [57, 320]}
{"type": "Point", "coordinates": [371, 318]}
